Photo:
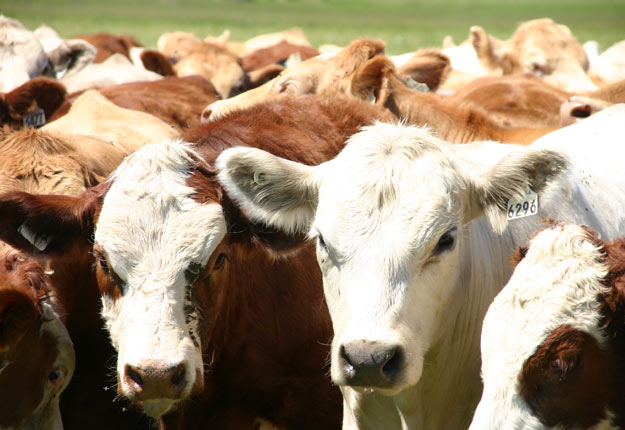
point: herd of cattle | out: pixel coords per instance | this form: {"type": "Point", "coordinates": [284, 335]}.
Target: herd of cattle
{"type": "Point", "coordinates": [268, 235]}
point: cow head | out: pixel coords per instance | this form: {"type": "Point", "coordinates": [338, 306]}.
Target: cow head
{"type": "Point", "coordinates": [36, 353]}
{"type": "Point", "coordinates": [149, 242]}
{"type": "Point", "coordinates": [390, 215]}
{"type": "Point", "coordinates": [546, 355]}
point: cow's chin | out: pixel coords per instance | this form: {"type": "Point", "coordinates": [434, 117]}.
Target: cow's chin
{"type": "Point", "coordinates": [156, 408]}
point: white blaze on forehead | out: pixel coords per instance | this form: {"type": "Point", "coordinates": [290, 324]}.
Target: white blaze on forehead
{"type": "Point", "coordinates": [556, 284]}
{"type": "Point", "coordinates": [152, 230]}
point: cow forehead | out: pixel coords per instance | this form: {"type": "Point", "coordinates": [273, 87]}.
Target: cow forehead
{"type": "Point", "coordinates": [149, 219]}
{"type": "Point", "coordinates": [391, 181]}
{"type": "Point", "coordinates": [556, 284]}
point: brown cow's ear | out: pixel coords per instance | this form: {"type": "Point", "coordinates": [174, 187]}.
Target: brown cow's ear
{"type": "Point", "coordinates": [18, 312]}
{"type": "Point", "coordinates": [264, 74]}
{"type": "Point", "coordinates": [371, 80]}
{"type": "Point", "coordinates": [428, 66]}
{"type": "Point", "coordinates": [156, 62]}
{"type": "Point", "coordinates": [48, 224]}
{"type": "Point", "coordinates": [46, 93]}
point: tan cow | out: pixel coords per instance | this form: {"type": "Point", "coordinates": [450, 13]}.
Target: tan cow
{"type": "Point", "coordinates": [314, 76]}
{"type": "Point", "coordinates": [94, 115]}
{"type": "Point", "coordinates": [542, 47]}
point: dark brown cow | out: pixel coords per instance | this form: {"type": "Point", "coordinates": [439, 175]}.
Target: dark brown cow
{"type": "Point", "coordinates": [259, 323]}
{"type": "Point", "coordinates": [177, 101]}
{"type": "Point", "coordinates": [564, 306]}
{"type": "Point", "coordinates": [31, 104]}
{"type": "Point", "coordinates": [36, 354]}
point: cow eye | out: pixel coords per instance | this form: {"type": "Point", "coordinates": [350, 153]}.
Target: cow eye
{"type": "Point", "coordinates": [57, 376]}
{"type": "Point", "coordinates": [321, 243]}
{"type": "Point", "coordinates": [219, 261]}
{"type": "Point", "coordinates": [446, 241]}
{"type": "Point", "coordinates": [104, 265]}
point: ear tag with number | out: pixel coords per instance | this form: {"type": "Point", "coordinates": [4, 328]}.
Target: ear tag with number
{"type": "Point", "coordinates": [34, 119]}
{"type": "Point", "coordinates": [525, 206]}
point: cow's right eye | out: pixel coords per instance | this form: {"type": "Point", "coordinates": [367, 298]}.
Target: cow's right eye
{"type": "Point", "coordinates": [104, 265]}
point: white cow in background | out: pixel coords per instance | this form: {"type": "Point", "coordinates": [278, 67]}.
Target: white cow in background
{"type": "Point", "coordinates": [413, 241]}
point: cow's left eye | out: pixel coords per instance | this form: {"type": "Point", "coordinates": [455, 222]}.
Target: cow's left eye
{"type": "Point", "coordinates": [446, 241]}
{"type": "Point", "coordinates": [104, 265]}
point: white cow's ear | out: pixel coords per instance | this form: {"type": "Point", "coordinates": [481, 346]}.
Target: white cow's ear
{"type": "Point", "coordinates": [278, 192]}
{"type": "Point", "coordinates": [510, 178]}
{"type": "Point", "coordinates": [72, 56]}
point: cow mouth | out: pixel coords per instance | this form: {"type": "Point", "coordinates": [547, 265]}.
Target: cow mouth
{"type": "Point", "coordinates": [155, 408]}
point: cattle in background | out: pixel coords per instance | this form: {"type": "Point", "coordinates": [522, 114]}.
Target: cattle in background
{"type": "Point", "coordinates": [457, 122]}
{"type": "Point", "coordinates": [21, 55]}
{"type": "Point", "coordinates": [177, 101]}
{"type": "Point", "coordinates": [108, 44]}
{"type": "Point", "coordinates": [161, 236]}
{"type": "Point", "coordinates": [65, 55]}
{"type": "Point", "coordinates": [608, 67]}
{"type": "Point", "coordinates": [176, 45]}
{"type": "Point", "coordinates": [31, 104]}
{"type": "Point", "coordinates": [543, 48]}
{"type": "Point", "coordinates": [116, 69]}
{"type": "Point", "coordinates": [413, 238]}
{"type": "Point", "coordinates": [579, 107]}
{"type": "Point", "coordinates": [276, 54]}
{"type": "Point", "coordinates": [216, 63]}
{"type": "Point", "coordinates": [93, 114]}
{"type": "Point", "coordinates": [553, 340]}
{"type": "Point", "coordinates": [318, 75]}
{"type": "Point", "coordinates": [36, 354]}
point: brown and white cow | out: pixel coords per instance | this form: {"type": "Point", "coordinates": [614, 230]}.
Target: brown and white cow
{"type": "Point", "coordinates": [36, 353]}
{"type": "Point", "coordinates": [553, 340]}
{"type": "Point", "coordinates": [579, 107]}
{"type": "Point", "coordinates": [187, 281]}
{"type": "Point", "coordinates": [108, 44]}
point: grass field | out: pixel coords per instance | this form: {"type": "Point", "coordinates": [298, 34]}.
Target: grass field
{"type": "Point", "coordinates": [404, 25]}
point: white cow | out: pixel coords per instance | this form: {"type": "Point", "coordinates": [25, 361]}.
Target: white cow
{"type": "Point", "coordinates": [413, 242]}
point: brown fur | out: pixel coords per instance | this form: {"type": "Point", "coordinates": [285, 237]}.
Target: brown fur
{"type": "Point", "coordinates": [157, 62]}
{"type": "Point", "coordinates": [282, 374]}
{"type": "Point", "coordinates": [26, 354]}
{"type": "Point", "coordinates": [275, 54]}
{"type": "Point", "coordinates": [108, 44]}
{"type": "Point", "coordinates": [429, 66]}
{"type": "Point", "coordinates": [45, 93]}
{"type": "Point", "coordinates": [446, 119]}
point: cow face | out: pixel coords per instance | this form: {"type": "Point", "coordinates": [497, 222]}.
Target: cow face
{"type": "Point", "coordinates": [545, 361]}
{"type": "Point", "coordinates": [36, 354]}
{"type": "Point", "coordinates": [152, 243]}
{"type": "Point", "coordinates": [389, 215]}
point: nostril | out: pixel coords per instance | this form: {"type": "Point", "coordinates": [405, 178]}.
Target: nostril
{"type": "Point", "coordinates": [348, 366]}
{"type": "Point", "coordinates": [393, 363]}
{"type": "Point", "coordinates": [179, 378]}
{"type": "Point", "coordinates": [581, 111]}
{"type": "Point", "coordinates": [133, 375]}
{"type": "Point", "coordinates": [206, 114]}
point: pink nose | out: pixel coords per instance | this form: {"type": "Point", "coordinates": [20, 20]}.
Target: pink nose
{"type": "Point", "coordinates": [153, 379]}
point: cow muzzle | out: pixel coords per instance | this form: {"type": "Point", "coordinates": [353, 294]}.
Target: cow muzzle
{"type": "Point", "coordinates": [365, 363]}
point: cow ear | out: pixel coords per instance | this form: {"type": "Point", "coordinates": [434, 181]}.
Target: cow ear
{"type": "Point", "coordinates": [428, 66]}
{"type": "Point", "coordinates": [156, 62]}
{"type": "Point", "coordinates": [371, 80]}
{"type": "Point", "coordinates": [510, 178]}
{"type": "Point", "coordinates": [272, 190]}
{"type": "Point", "coordinates": [46, 224]}
{"type": "Point", "coordinates": [72, 56]}
{"type": "Point", "coordinates": [260, 76]}
{"type": "Point", "coordinates": [18, 313]}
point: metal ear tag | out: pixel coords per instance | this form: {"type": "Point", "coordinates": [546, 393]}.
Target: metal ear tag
{"type": "Point", "coordinates": [261, 178]}
{"type": "Point", "coordinates": [40, 244]}
{"type": "Point", "coordinates": [35, 118]}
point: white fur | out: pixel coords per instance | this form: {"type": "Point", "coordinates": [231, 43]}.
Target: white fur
{"type": "Point", "coordinates": [383, 204]}
{"type": "Point", "coordinates": [152, 229]}
{"type": "Point", "coordinates": [555, 284]}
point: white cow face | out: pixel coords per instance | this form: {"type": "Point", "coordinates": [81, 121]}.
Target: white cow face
{"type": "Point", "coordinates": [152, 241]}
{"type": "Point", "coordinates": [389, 215]}
{"type": "Point", "coordinates": [542, 348]}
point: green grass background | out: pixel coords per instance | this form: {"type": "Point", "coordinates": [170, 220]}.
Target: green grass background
{"type": "Point", "coordinates": [404, 25]}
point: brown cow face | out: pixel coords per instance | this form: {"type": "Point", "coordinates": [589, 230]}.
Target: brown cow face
{"type": "Point", "coordinates": [36, 354]}
{"type": "Point", "coordinates": [153, 243]}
